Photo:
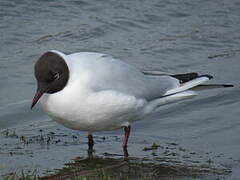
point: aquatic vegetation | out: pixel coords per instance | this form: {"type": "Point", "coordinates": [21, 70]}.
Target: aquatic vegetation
{"type": "Point", "coordinates": [153, 147]}
{"type": "Point", "coordinates": [114, 169]}
{"type": "Point", "coordinates": [22, 175]}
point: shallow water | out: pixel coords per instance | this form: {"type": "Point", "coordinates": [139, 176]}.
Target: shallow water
{"type": "Point", "coordinates": [170, 35]}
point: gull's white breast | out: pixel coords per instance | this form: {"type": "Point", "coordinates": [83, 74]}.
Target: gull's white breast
{"type": "Point", "coordinates": [89, 111]}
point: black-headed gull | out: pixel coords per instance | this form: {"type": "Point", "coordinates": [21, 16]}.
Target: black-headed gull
{"type": "Point", "coordinates": [96, 92]}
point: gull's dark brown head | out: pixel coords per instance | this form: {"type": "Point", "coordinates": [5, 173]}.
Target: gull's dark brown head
{"type": "Point", "coordinates": [51, 73]}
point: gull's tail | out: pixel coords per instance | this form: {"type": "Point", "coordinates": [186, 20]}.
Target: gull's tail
{"type": "Point", "coordinates": [189, 83]}
{"type": "Point", "coordinates": [194, 81]}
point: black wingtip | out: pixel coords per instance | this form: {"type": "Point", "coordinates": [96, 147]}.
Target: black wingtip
{"type": "Point", "coordinates": [228, 85]}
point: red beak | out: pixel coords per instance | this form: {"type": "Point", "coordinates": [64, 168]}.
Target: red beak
{"type": "Point", "coordinates": [36, 98]}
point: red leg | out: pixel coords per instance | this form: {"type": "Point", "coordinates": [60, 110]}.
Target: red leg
{"type": "Point", "coordinates": [127, 130]}
{"type": "Point", "coordinates": [90, 142]}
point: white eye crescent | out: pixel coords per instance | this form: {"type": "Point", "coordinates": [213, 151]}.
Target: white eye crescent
{"type": "Point", "coordinates": [56, 76]}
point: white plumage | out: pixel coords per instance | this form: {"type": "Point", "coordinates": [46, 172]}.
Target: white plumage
{"type": "Point", "coordinates": [104, 93]}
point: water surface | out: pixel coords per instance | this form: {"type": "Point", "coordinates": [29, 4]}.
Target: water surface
{"type": "Point", "coordinates": [170, 35]}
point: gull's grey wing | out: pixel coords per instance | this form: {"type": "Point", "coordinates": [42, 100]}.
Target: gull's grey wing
{"type": "Point", "coordinates": [155, 73]}
{"type": "Point", "coordinates": [103, 72]}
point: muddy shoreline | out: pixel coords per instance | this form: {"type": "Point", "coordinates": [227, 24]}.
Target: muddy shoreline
{"type": "Point", "coordinates": [168, 160]}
